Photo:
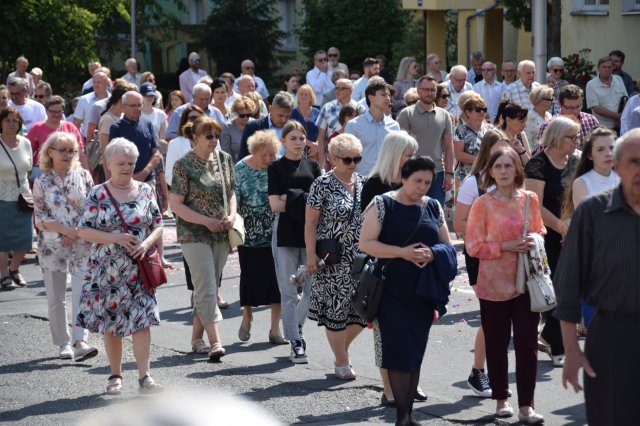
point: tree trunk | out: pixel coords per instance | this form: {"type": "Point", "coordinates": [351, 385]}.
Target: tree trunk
{"type": "Point", "coordinates": [554, 21]}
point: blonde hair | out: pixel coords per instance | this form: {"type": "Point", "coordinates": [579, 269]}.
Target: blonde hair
{"type": "Point", "coordinates": [540, 92]}
{"type": "Point", "coordinates": [343, 144]}
{"type": "Point", "coordinates": [46, 162]}
{"type": "Point", "coordinates": [394, 146]}
{"type": "Point", "coordinates": [308, 88]}
{"type": "Point", "coordinates": [263, 139]}
{"type": "Point", "coordinates": [556, 131]}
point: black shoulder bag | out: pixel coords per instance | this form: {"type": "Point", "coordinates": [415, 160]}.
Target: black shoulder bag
{"type": "Point", "coordinates": [330, 249]}
{"type": "Point", "coordinates": [369, 273]}
{"type": "Point", "coordinates": [25, 199]}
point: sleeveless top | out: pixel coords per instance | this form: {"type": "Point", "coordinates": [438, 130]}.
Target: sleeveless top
{"type": "Point", "coordinates": [597, 183]}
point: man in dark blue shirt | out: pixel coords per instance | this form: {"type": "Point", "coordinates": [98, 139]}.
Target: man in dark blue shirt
{"type": "Point", "coordinates": [141, 134]}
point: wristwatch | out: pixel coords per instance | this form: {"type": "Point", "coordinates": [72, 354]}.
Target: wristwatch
{"type": "Point", "coordinates": [449, 173]}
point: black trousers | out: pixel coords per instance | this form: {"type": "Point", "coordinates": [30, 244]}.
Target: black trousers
{"type": "Point", "coordinates": [551, 331]}
{"type": "Point", "coordinates": [613, 350]}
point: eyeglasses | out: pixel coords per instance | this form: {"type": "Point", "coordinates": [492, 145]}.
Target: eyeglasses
{"type": "Point", "coordinates": [211, 136]}
{"type": "Point", "coordinates": [333, 55]}
{"type": "Point", "coordinates": [348, 160]}
{"type": "Point", "coordinates": [39, 96]}
{"type": "Point", "coordinates": [322, 59]}
{"type": "Point", "coordinates": [488, 69]}
{"type": "Point", "coordinates": [56, 112]}
{"type": "Point", "coordinates": [244, 115]}
{"type": "Point", "coordinates": [66, 151]}
{"type": "Point", "coordinates": [195, 61]}
{"type": "Point", "coordinates": [444, 96]}
{"type": "Point", "coordinates": [574, 138]}
{"type": "Point", "coordinates": [340, 89]}
{"type": "Point", "coordinates": [557, 70]}
{"type": "Point", "coordinates": [133, 105]}
{"type": "Point", "coordinates": [480, 109]}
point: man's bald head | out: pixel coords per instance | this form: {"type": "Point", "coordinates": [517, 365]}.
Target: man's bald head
{"type": "Point", "coordinates": [246, 84]}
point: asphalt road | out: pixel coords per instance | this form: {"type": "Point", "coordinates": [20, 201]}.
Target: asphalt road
{"type": "Point", "coordinates": [37, 388]}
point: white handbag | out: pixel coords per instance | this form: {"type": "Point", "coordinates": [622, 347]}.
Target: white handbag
{"type": "Point", "coordinates": [237, 231]}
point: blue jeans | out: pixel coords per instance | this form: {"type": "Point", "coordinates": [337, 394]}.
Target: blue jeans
{"type": "Point", "coordinates": [435, 190]}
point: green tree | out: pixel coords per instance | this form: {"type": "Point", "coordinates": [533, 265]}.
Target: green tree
{"type": "Point", "coordinates": [518, 14]}
{"type": "Point", "coordinates": [240, 29]}
{"type": "Point", "coordinates": [412, 43]}
{"type": "Point", "coordinates": [359, 30]}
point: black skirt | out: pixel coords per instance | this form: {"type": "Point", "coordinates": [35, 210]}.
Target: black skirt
{"type": "Point", "coordinates": [258, 282]}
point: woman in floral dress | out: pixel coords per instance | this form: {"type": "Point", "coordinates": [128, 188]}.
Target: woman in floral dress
{"type": "Point", "coordinates": [114, 301]}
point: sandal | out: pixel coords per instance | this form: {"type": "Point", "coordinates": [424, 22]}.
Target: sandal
{"type": "Point", "coordinates": [199, 346]}
{"type": "Point", "coordinates": [114, 385]}
{"type": "Point", "coordinates": [345, 372]}
{"type": "Point", "coordinates": [216, 352]}
{"type": "Point", "coordinates": [148, 385]}
{"type": "Point", "coordinates": [17, 278]}
{"type": "Point", "coordinates": [7, 283]}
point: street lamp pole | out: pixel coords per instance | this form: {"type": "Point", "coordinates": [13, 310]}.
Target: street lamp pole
{"type": "Point", "coordinates": [133, 28]}
{"type": "Point", "coordinates": [539, 38]}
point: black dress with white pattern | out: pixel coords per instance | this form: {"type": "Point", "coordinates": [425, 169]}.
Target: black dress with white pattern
{"type": "Point", "coordinates": [331, 287]}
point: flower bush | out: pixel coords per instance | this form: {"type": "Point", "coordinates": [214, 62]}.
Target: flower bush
{"type": "Point", "coordinates": [578, 69]}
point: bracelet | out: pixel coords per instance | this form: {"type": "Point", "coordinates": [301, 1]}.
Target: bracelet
{"type": "Point", "coordinates": [449, 173]}
{"type": "Point", "coordinates": [523, 152]}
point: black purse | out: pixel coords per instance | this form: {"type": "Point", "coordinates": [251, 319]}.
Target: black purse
{"type": "Point", "coordinates": [330, 249]}
{"type": "Point", "coordinates": [25, 199]}
{"type": "Point", "coordinates": [369, 273]}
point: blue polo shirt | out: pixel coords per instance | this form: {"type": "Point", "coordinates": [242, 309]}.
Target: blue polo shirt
{"type": "Point", "coordinates": [142, 135]}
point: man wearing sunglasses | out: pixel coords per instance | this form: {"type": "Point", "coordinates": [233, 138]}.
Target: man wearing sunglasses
{"type": "Point", "coordinates": [319, 77]}
{"type": "Point", "coordinates": [490, 89]}
{"type": "Point", "coordinates": [192, 76]}
{"type": "Point", "coordinates": [334, 61]}
{"type": "Point", "coordinates": [248, 68]}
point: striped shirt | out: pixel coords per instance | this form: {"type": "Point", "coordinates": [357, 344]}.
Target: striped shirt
{"type": "Point", "coordinates": [587, 122]}
{"type": "Point", "coordinates": [519, 94]}
{"type": "Point", "coordinates": [599, 259]}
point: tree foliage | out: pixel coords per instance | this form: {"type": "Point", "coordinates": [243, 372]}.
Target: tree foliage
{"type": "Point", "coordinates": [518, 14]}
{"type": "Point", "coordinates": [359, 30]}
{"type": "Point", "coordinates": [412, 42]}
{"type": "Point", "coordinates": [243, 29]}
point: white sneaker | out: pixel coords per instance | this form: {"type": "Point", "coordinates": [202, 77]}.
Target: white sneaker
{"type": "Point", "coordinates": [66, 352]}
{"type": "Point", "coordinates": [84, 352]}
{"type": "Point", "coordinates": [558, 360]}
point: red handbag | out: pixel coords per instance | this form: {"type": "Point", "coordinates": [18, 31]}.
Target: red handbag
{"type": "Point", "coordinates": [150, 267]}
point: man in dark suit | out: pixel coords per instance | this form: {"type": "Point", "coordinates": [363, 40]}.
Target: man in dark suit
{"type": "Point", "coordinates": [279, 113]}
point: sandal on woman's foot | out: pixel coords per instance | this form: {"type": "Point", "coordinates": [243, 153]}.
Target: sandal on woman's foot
{"type": "Point", "coordinates": [199, 347]}
{"type": "Point", "coordinates": [345, 372]}
{"type": "Point", "coordinates": [17, 278]}
{"type": "Point", "coordinates": [147, 385]}
{"type": "Point", "coordinates": [114, 385]}
{"type": "Point", "coordinates": [7, 284]}
{"type": "Point", "coordinates": [244, 333]}
{"type": "Point", "coordinates": [216, 352]}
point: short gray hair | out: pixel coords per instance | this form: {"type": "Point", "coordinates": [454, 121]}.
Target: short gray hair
{"type": "Point", "coordinates": [456, 69]}
{"type": "Point", "coordinates": [394, 146]}
{"type": "Point", "coordinates": [632, 135]}
{"type": "Point", "coordinates": [283, 100]}
{"type": "Point", "coordinates": [521, 64]}
{"type": "Point", "coordinates": [20, 82]}
{"type": "Point", "coordinates": [555, 61]}
{"type": "Point", "coordinates": [343, 144]}
{"type": "Point", "coordinates": [201, 88]}
{"type": "Point", "coordinates": [120, 146]}
{"type": "Point", "coordinates": [130, 61]}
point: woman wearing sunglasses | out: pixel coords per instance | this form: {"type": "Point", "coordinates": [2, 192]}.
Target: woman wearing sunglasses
{"type": "Point", "coordinates": [231, 135]}
{"type": "Point", "coordinates": [512, 118]}
{"type": "Point", "coordinates": [442, 95]}
{"type": "Point", "coordinates": [198, 192]}
{"type": "Point", "coordinates": [333, 211]}
{"type": "Point", "coordinates": [468, 134]}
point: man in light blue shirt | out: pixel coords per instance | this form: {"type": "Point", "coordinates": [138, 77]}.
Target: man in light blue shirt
{"type": "Point", "coordinates": [248, 68]}
{"type": "Point", "coordinates": [457, 84]}
{"type": "Point", "coordinates": [202, 98]}
{"type": "Point", "coordinates": [490, 89]}
{"type": "Point", "coordinates": [371, 127]}
{"type": "Point", "coordinates": [370, 68]}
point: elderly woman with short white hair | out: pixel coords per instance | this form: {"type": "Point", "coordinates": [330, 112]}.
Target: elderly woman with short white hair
{"type": "Point", "coordinates": [59, 194]}
{"type": "Point", "coordinates": [541, 98]}
{"type": "Point", "coordinates": [333, 212]}
{"type": "Point", "coordinates": [555, 67]}
{"type": "Point", "coordinates": [114, 301]}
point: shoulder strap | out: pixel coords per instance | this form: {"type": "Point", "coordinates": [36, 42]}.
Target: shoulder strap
{"type": "Point", "coordinates": [115, 206]}
{"type": "Point", "coordinates": [15, 169]}
{"type": "Point", "coordinates": [526, 215]}
{"type": "Point", "coordinates": [355, 202]}
{"type": "Point", "coordinates": [224, 184]}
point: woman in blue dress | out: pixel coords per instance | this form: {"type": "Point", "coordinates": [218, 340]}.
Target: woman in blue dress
{"type": "Point", "coordinates": [400, 228]}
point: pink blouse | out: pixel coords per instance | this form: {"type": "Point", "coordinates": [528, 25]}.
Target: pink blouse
{"type": "Point", "coordinates": [491, 222]}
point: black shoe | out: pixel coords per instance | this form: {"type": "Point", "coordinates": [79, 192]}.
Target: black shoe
{"type": "Point", "coordinates": [478, 382]}
{"type": "Point", "coordinates": [420, 396]}
{"type": "Point", "coordinates": [385, 402]}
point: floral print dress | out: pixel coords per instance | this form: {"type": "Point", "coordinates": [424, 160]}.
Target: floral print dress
{"type": "Point", "coordinates": [113, 298]}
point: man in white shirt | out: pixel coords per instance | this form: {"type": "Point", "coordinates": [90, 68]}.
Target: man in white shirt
{"type": "Point", "coordinates": [248, 68]}
{"type": "Point", "coordinates": [508, 72]}
{"type": "Point", "coordinates": [334, 61]}
{"type": "Point", "coordinates": [604, 93]}
{"type": "Point", "coordinates": [490, 89]}
{"type": "Point", "coordinates": [192, 76]}
{"type": "Point", "coordinates": [132, 75]}
{"type": "Point", "coordinates": [457, 84]}
{"type": "Point", "coordinates": [88, 85]}
{"type": "Point", "coordinates": [81, 114]}
{"type": "Point", "coordinates": [30, 110]}
{"type": "Point", "coordinates": [22, 64]}
{"type": "Point", "coordinates": [319, 78]}
{"type": "Point", "coordinates": [370, 67]}
{"type": "Point", "coordinates": [519, 91]}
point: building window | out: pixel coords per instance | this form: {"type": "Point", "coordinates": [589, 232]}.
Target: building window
{"type": "Point", "coordinates": [287, 9]}
{"type": "Point", "coordinates": [196, 12]}
{"type": "Point", "coordinates": [590, 7]}
{"type": "Point", "coordinates": [631, 7]}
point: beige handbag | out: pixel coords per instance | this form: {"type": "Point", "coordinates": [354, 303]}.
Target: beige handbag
{"type": "Point", "coordinates": [237, 232]}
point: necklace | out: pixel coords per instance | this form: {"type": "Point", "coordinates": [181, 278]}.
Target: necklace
{"type": "Point", "coordinates": [342, 181]}
{"type": "Point", "coordinates": [121, 187]}
{"type": "Point", "coordinates": [290, 163]}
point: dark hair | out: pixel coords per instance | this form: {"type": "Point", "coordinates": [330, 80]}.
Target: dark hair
{"type": "Point", "coordinates": [618, 53]}
{"type": "Point", "coordinates": [570, 91]}
{"type": "Point", "coordinates": [201, 126]}
{"type": "Point", "coordinates": [5, 113]}
{"type": "Point", "coordinates": [218, 82]}
{"type": "Point", "coordinates": [439, 90]}
{"type": "Point", "coordinates": [369, 61]}
{"type": "Point", "coordinates": [54, 100]}
{"type": "Point", "coordinates": [116, 95]}
{"type": "Point", "coordinates": [508, 109]}
{"type": "Point", "coordinates": [286, 78]}
{"type": "Point", "coordinates": [346, 111]}
{"type": "Point", "coordinates": [517, 164]}
{"type": "Point", "coordinates": [585, 164]}
{"type": "Point", "coordinates": [185, 117]}
{"type": "Point", "coordinates": [417, 163]}
{"type": "Point", "coordinates": [428, 78]}
{"type": "Point", "coordinates": [373, 87]}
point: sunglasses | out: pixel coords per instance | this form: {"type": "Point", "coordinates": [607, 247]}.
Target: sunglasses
{"type": "Point", "coordinates": [322, 59]}
{"type": "Point", "coordinates": [348, 160]}
{"type": "Point", "coordinates": [546, 99]}
{"type": "Point", "coordinates": [480, 109]}
{"type": "Point", "coordinates": [244, 115]}
{"type": "Point", "coordinates": [211, 136]}
{"type": "Point", "coordinates": [557, 70]}
{"type": "Point", "coordinates": [333, 55]}
{"type": "Point", "coordinates": [444, 96]}
{"type": "Point", "coordinates": [195, 61]}
{"type": "Point", "coordinates": [340, 89]}
{"type": "Point", "coordinates": [40, 96]}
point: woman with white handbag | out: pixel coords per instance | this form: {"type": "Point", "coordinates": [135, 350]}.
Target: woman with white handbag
{"type": "Point", "coordinates": [494, 235]}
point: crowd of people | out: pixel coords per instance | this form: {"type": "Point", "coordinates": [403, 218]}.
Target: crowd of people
{"type": "Point", "coordinates": [320, 172]}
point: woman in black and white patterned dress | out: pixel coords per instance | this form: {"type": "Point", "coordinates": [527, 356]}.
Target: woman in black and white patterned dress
{"type": "Point", "coordinates": [333, 211]}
